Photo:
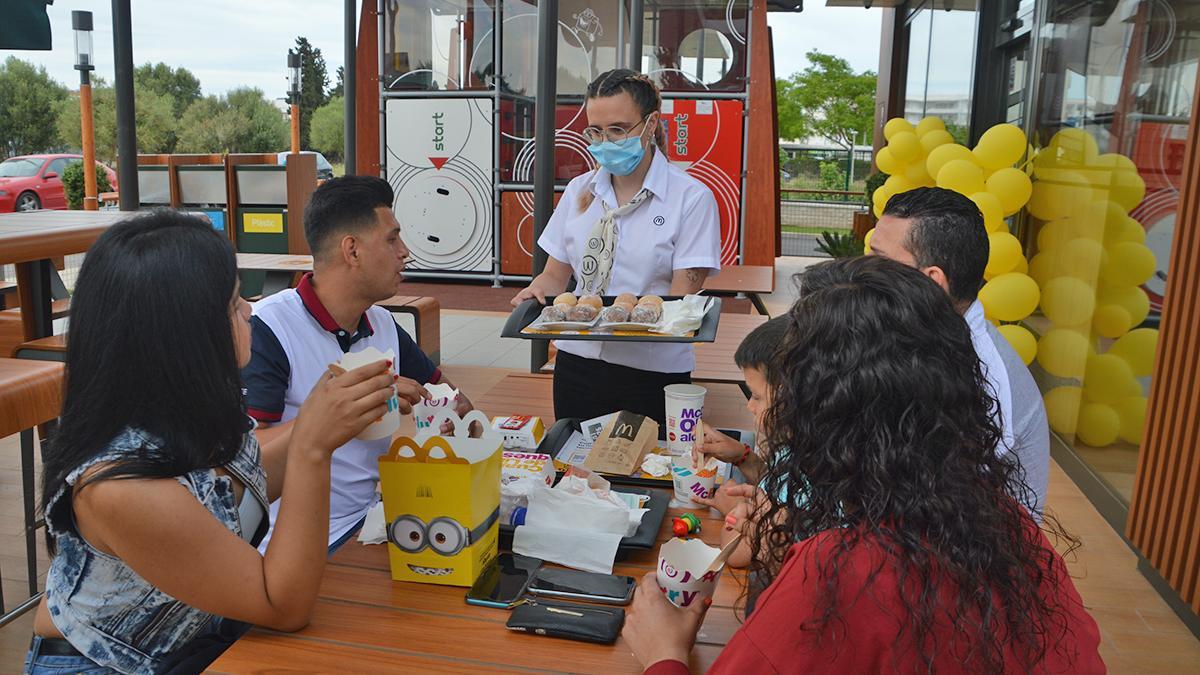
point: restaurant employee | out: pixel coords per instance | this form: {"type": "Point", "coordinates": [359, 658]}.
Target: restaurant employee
{"type": "Point", "coordinates": [636, 224]}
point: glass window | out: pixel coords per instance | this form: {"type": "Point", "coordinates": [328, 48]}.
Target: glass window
{"type": "Point", "coordinates": [1111, 125]}
{"type": "Point", "coordinates": [918, 66]}
{"type": "Point", "coordinates": [437, 45]}
{"type": "Point", "coordinates": [57, 165]}
{"type": "Point", "coordinates": [589, 35]}
{"type": "Point", "coordinates": [941, 67]}
{"type": "Point", "coordinates": [690, 45]}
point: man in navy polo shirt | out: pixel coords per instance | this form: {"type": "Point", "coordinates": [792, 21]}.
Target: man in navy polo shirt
{"type": "Point", "coordinates": [358, 260]}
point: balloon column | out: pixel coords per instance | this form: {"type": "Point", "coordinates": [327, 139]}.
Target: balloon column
{"type": "Point", "coordinates": [926, 155]}
{"type": "Point", "coordinates": [1090, 264]}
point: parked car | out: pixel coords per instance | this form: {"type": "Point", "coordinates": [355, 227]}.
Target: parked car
{"type": "Point", "coordinates": [31, 182]}
{"type": "Point", "coordinates": [324, 168]}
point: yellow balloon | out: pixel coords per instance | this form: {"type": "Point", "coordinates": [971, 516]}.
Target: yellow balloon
{"type": "Point", "coordinates": [962, 176]}
{"type": "Point", "coordinates": [1124, 185]}
{"type": "Point", "coordinates": [1129, 264]}
{"type": "Point", "coordinates": [999, 147]}
{"type": "Point", "coordinates": [1111, 321]}
{"type": "Point", "coordinates": [1009, 297]}
{"type": "Point", "coordinates": [1067, 301]}
{"type": "Point", "coordinates": [929, 125]}
{"type": "Point", "coordinates": [918, 175]}
{"type": "Point", "coordinates": [905, 147]}
{"type": "Point", "coordinates": [993, 212]}
{"type": "Point", "coordinates": [896, 125]}
{"type": "Point", "coordinates": [867, 241]}
{"type": "Point", "coordinates": [897, 184]}
{"type": "Point", "coordinates": [1022, 341]}
{"type": "Point", "coordinates": [1063, 352]}
{"type": "Point", "coordinates": [1079, 258]}
{"type": "Point", "coordinates": [1132, 298]}
{"type": "Point", "coordinates": [1074, 147]}
{"type": "Point", "coordinates": [1137, 349]}
{"type": "Point", "coordinates": [887, 163]}
{"type": "Point", "coordinates": [1108, 378]}
{"type": "Point", "coordinates": [1004, 254]}
{"type": "Point", "coordinates": [1124, 230]}
{"type": "Point", "coordinates": [1098, 426]}
{"type": "Point", "coordinates": [1062, 408]}
{"type": "Point", "coordinates": [1063, 194]}
{"type": "Point", "coordinates": [1022, 266]}
{"type": "Point", "coordinates": [1013, 188]}
{"type": "Point", "coordinates": [934, 139]}
{"type": "Point", "coordinates": [942, 154]}
{"type": "Point", "coordinates": [1040, 268]}
{"type": "Point", "coordinates": [1132, 412]}
{"type": "Point", "coordinates": [1054, 234]}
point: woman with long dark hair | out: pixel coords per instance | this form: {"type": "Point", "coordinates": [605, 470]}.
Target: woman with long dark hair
{"type": "Point", "coordinates": [899, 546]}
{"type": "Point", "coordinates": [154, 487]}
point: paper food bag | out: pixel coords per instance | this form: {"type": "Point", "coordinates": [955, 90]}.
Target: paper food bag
{"type": "Point", "coordinates": [441, 501]}
{"type": "Point", "coordinates": [390, 422]}
{"type": "Point", "coordinates": [622, 444]}
{"type": "Point", "coordinates": [442, 398]}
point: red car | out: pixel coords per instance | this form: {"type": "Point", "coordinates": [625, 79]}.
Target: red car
{"type": "Point", "coordinates": [31, 182]}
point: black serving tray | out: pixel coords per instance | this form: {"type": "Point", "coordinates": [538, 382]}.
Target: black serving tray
{"type": "Point", "coordinates": [527, 312]}
{"type": "Point", "coordinates": [647, 533]}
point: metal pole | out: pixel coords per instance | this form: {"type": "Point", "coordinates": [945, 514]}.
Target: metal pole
{"type": "Point", "coordinates": [126, 120]}
{"type": "Point", "coordinates": [543, 155]}
{"type": "Point", "coordinates": [81, 22]}
{"type": "Point", "coordinates": [637, 19]}
{"type": "Point", "coordinates": [349, 90]}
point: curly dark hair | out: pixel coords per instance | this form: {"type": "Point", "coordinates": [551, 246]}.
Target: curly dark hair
{"type": "Point", "coordinates": [881, 430]}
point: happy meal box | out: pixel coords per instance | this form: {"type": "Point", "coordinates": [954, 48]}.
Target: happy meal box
{"type": "Point", "coordinates": [688, 569]}
{"type": "Point", "coordinates": [441, 501]}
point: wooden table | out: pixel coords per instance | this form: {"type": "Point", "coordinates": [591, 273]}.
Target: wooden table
{"type": "Point", "coordinates": [750, 280]}
{"type": "Point", "coordinates": [714, 360]}
{"type": "Point", "coordinates": [29, 240]}
{"type": "Point", "coordinates": [280, 268]}
{"type": "Point", "coordinates": [365, 621]}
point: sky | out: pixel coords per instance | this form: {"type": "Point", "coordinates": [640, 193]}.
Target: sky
{"type": "Point", "coordinates": [234, 43]}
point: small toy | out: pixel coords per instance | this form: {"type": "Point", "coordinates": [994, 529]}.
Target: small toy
{"type": "Point", "coordinates": [686, 524]}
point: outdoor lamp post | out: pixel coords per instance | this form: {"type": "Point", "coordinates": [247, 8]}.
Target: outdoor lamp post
{"type": "Point", "coordinates": [81, 23]}
{"type": "Point", "coordinates": [294, 77]}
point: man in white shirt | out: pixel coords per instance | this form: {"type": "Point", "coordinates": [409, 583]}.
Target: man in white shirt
{"type": "Point", "coordinates": [941, 232]}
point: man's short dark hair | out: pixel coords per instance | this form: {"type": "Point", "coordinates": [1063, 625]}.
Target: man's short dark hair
{"type": "Point", "coordinates": [758, 347]}
{"type": "Point", "coordinates": [947, 232]}
{"type": "Point", "coordinates": [343, 206]}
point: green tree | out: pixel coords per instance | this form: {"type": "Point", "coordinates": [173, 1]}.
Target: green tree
{"type": "Point", "coordinates": [72, 180]}
{"type": "Point", "coordinates": [242, 120]}
{"type": "Point", "coordinates": [313, 81]}
{"type": "Point", "coordinates": [339, 84]}
{"type": "Point", "coordinates": [29, 101]}
{"type": "Point", "coordinates": [155, 114]}
{"type": "Point", "coordinates": [178, 83]}
{"type": "Point", "coordinates": [827, 99]}
{"type": "Point", "coordinates": [328, 128]}
{"type": "Point", "coordinates": [832, 176]}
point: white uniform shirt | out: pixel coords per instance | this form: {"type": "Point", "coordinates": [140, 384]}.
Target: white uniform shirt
{"type": "Point", "coordinates": [677, 228]}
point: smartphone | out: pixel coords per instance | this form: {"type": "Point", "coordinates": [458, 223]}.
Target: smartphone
{"type": "Point", "coordinates": [563, 583]}
{"type": "Point", "coordinates": [503, 583]}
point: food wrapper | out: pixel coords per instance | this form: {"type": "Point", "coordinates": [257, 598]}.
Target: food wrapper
{"type": "Point", "coordinates": [683, 316]}
{"type": "Point", "coordinates": [520, 432]}
{"type": "Point", "coordinates": [442, 399]}
{"type": "Point", "coordinates": [519, 472]}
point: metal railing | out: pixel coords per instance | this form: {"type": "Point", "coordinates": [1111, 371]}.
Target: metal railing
{"type": "Point", "coordinates": [805, 214]}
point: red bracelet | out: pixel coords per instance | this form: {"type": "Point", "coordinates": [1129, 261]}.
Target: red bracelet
{"type": "Point", "coordinates": [744, 455]}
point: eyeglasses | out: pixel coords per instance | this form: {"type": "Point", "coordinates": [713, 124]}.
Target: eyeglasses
{"type": "Point", "coordinates": [615, 134]}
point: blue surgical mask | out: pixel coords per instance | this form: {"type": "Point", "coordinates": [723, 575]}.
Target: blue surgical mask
{"type": "Point", "coordinates": [619, 158]}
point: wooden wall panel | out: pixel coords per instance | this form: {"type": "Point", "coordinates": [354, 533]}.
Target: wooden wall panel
{"type": "Point", "coordinates": [1164, 517]}
{"type": "Point", "coordinates": [516, 231]}
{"type": "Point", "coordinates": [762, 148]}
{"type": "Point", "coordinates": [366, 92]}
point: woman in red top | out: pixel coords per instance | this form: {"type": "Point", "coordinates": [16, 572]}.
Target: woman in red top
{"type": "Point", "coordinates": [912, 555]}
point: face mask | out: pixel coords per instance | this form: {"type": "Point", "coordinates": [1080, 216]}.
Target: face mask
{"type": "Point", "coordinates": [619, 158]}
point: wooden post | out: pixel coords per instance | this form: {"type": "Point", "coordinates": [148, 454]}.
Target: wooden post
{"type": "Point", "coordinates": [90, 203]}
{"type": "Point", "coordinates": [295, 128]}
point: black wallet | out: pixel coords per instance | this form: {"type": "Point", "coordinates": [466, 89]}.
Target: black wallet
{"type": "Point", "coordinates": [569, 620]}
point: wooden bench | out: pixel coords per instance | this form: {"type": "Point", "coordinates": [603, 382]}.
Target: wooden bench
{"type": "Point", "coordinates": [30, 395]}
{"type": "Point", "coordinates": [9, 297]}
{"type": "Point", "coordinates": [427, 315]}
{"type": "Point", "coordinates": [749, 280]}
{"type": "Point", "coordinates": [12, 330]}
{"type": "Point", "coordinates": [53, 348]}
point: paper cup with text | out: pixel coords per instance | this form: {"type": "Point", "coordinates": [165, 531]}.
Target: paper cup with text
{"type": "Point", "coordinates": [685, 409]}
{"type": "Point", "coordinates": [683, 574]}
{"type": "Point", "coordinates": [390, 422]}
{"type": "Point", "coordinates": [692, 481]}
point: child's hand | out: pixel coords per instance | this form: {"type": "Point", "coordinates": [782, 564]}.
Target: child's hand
{"type": "Point", "coordinates": [725, 499]}
{"type": "Point", "coordinates": [713, 443]}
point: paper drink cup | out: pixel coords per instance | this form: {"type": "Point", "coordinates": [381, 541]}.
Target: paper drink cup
{"type": "Point", "coordinates": [685, 409]}
{"type": "Point", "coordinates": [692, 481]}
{"type": "Point", "coordinates": [390, 422]}
{"type": "Point", "coordinates": [682, 571]}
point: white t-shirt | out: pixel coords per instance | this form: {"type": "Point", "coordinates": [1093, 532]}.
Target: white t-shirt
{"type": "Point", "coordinates": [677, 228]}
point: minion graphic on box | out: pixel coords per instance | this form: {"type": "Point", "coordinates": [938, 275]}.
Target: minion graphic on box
{"type": "Point", "coordinates": [441, 500]}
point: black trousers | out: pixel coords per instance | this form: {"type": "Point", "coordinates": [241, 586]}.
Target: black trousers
{"type": "Point", "coordinates": [587, 388]}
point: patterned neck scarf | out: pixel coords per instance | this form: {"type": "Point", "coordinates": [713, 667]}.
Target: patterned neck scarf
{"type": "Point", "coordinates": [602, 245]}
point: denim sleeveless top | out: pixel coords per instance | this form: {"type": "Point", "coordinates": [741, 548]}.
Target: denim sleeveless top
{"type": "Point", "coordinates": [105, 609]}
